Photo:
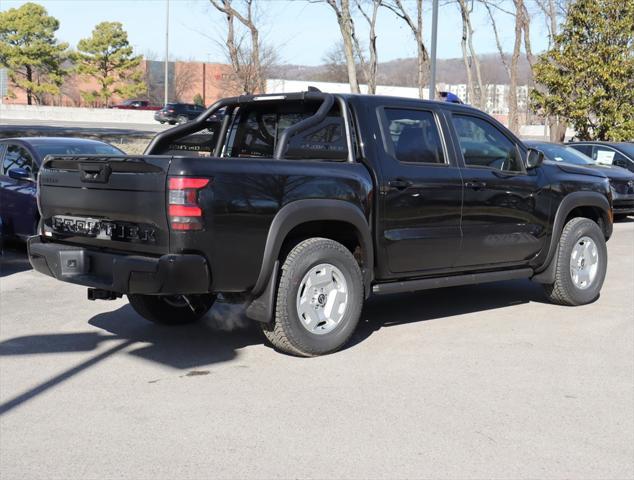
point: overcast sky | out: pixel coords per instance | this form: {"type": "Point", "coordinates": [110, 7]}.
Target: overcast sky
{"type": "Point", "coordinates": [301, 31]}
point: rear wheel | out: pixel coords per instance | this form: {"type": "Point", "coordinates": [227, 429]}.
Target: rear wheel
{"type": "Point", "coordinates": [319, 299]}
{"type": "Point", "coordinates": [581, 264]}
{"type": "Point", "coordinates": [172, 309]}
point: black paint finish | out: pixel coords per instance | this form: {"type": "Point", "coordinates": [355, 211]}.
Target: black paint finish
{"type": "Point", "coordinates": [412, 220]}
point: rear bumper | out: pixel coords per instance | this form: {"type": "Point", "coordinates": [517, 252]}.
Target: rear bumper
{"type": "Point", "coordinates": [168, 274]}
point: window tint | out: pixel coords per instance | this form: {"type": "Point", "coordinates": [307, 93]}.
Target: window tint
{"type": "Point", "coordinates": [257, 131]}
{"type": "Point", "coordinates": [17, 157]}
{"type": "Point", "coordinates": [585, 149]}
{"type": "Point", "coordinates": [483, 145]}
{"type": "Point", "coordinates": [414, 136]}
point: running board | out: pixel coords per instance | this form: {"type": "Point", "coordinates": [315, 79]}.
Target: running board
{"type": "Point", "coordinates": [452, 281]}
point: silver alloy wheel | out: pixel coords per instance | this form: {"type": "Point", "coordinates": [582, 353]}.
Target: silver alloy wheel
{"type": "Point", "coordinates": [322, 298]}
{"type": "Point", "coordinates": [584, 263]}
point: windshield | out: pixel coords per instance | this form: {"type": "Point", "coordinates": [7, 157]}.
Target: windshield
{"type": "Point", "coordinates": [77, 149]}
{"type": "Point", "coordinates": [561, 153]}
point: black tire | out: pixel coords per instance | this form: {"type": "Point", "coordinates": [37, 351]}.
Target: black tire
{"type": "Point", "coordinates": [172, 122]}
{"type": "Point", "coordinates": [564, 291]}
{"type": "Point", "coordinates": [287, 332]}
{"type": "Point", "coordinates": [171, 310]}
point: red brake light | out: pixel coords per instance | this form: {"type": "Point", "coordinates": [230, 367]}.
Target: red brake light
{"type": "Point", "coordinates": [184, 210]}
{"type": "Point", "coordinates": [180, 183]}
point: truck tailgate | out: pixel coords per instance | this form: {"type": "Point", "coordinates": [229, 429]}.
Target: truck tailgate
{"type": "Point", "coordinates": [108, 202]}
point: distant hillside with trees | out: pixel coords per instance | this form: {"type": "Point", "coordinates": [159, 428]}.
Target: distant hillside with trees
{"type": "Point", "coordinates": [402, 71]}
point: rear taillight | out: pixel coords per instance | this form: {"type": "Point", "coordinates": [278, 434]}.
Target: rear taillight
{"type": "Point", "coordinates": [183, 203]}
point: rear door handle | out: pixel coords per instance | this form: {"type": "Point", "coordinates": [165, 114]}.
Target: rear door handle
{"type": "Point", "coordinates": [399, 184]}
{"type": "Point", "coordinates": [474, 184]}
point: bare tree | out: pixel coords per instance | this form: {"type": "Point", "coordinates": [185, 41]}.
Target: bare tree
{"type": "Point", "coordinates": [469, 56]}
{"type": "Point", "coordinates": [522, 32]}
{"type": "Point", "coordinates": [350, 43]}
{"type": "Point", "coordinates": [334, 68]}
{"type": "Point", "coordinates": [370, 71]}
{"type": "Point", "coordinates": [185, 74]}
{"type": "Point", "coordinates": [552, 11]}
{"type": "Point", "coordinates": [400, 11]}
{"type": "Point", "coordinates": [246, 61]}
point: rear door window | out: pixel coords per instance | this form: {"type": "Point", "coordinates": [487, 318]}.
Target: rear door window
{"type": "Point", "coordinates": [412, 136]}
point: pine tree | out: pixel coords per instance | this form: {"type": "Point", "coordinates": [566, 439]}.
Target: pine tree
{"type": "Point", "coordinates": [30, 51]}
{"type": "Point", "coordinates": [108, 57]}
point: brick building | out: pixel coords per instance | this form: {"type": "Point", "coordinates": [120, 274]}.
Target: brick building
{"type": "Point", "coordinates": [185, 80]}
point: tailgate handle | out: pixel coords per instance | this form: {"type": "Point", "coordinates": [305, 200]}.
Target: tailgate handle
{"type": "Point", "coordinates": [94, 172]}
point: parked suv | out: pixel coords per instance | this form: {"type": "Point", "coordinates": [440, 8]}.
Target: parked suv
{"type": "Point", "coordinates": [303, 205]}
{"type": "Point", "coordinates": [174, 113]}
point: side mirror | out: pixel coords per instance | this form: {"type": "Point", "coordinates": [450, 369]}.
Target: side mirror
{"type": "Point", "coordinates": [20, 174]}
{"type": "Point", "coordinates": [534, 158]}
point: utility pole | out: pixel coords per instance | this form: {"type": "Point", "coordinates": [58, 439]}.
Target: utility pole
{"type": "Point", "coordinates": [434, 38]}
{"type": "Point", "coordinates": [167, 50]}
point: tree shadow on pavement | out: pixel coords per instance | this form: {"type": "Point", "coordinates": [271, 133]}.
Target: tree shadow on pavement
{"type": "Point", "coordinates": [182, 347]}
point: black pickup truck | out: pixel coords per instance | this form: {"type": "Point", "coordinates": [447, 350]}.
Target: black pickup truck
{"type": "Point", "coordinates": [303, 205]}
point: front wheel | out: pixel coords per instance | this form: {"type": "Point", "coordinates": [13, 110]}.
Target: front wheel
{"type": "Point", "coordinates": [319, 299]}
{"type": "Point", "coordinates": [581, 266]}
{"type": "Point", "coordinates": [172, 309]}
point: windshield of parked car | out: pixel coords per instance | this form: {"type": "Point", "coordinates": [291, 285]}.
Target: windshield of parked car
{"type": "Point", "coordinates": [77, 149]}
{"type": "Point", "coordinates": [561, 153]}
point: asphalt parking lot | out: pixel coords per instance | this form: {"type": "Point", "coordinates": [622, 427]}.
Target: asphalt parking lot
{"type": "Point", "coordinates": [472, 382]}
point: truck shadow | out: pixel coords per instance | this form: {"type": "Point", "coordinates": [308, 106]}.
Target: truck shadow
{"type": "Point", "coordinates": [220, 336]}
{"type": "Point", "coordinates": [398, 309]}
{"type": "Point", "coordinates": [13, 259]}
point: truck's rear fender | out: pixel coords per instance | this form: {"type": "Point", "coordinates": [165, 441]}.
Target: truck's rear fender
{"type": "Point", "coordinates": [591, 204]}
{"type": "Point", "coordinates": [317, 216]}
{"type": "Point", "coordinates": [247, 212]}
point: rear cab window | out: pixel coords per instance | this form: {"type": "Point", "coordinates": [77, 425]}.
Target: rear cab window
{"type": "Point", "coordinates": [256, 130]}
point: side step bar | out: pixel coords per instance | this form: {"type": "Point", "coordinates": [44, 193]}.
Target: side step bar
{"type": "Point", "coordinates": [451, 281]}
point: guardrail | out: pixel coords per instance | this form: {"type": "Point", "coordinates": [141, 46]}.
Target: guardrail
{"type": "Point", "coordinates": [75, 114]}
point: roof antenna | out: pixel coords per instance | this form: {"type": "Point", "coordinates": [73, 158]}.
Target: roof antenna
{"type": "Point", "coordinates": [313, 89]}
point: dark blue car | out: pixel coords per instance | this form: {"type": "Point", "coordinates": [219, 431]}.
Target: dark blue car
{"type": "Point", "coordinates": [20, 160]}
